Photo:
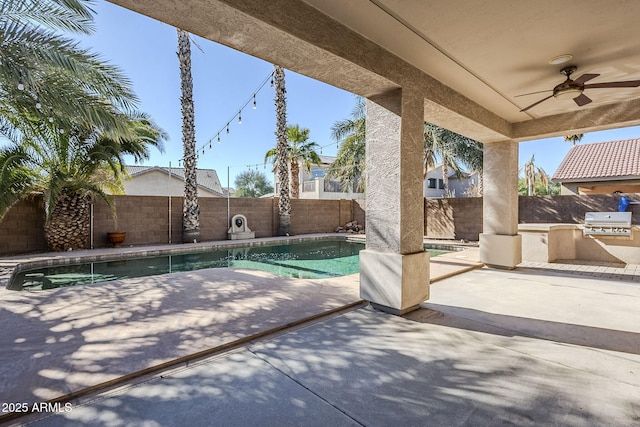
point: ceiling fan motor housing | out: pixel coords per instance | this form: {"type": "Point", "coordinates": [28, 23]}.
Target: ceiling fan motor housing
{"type": "Point", "coordinates": [568, 88]}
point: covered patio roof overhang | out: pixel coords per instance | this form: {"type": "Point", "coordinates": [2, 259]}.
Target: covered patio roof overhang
{"type": "Point", "coordinates": [467, 66]}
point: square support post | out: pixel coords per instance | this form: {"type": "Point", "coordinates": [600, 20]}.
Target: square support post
{"type": "Point", "coordinates": [500, 243]}
{"type": "Point", "coordinates": [394, 268]}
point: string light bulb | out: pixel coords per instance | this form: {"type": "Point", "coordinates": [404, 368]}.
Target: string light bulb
{"type": "Point", "coordinates": [218, 138]}
{"type": "Point", "coordinates": [240, 117]}
{"type": "Point", "coordinates": [255, 104]}
{"type": "Point", "coordinates": [227, 128]}
{"type": "Point", "coordinates": [20, 84]}
{"type": "Point", "coordinates": [38, 104]}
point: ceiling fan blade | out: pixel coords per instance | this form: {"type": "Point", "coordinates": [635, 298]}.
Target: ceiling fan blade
{"type": "Point", "coordinates": [533, 93]}
{"type": "Point", "coordinates": [630, 83]}
{"type": "Point", "coordinates": [585, 78]}
{"type": "Point", "coordinates": [582, 99]}
{"type": "Point", "coordinates": [536, 103]}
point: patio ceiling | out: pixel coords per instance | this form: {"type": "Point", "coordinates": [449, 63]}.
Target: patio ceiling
{"type": "Point", "coordinates": [470, 59]}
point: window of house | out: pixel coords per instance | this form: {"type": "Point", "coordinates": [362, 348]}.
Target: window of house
{"type": "Point", "coordinates": [441, 184]}
{"type": "Point", "coordinates": [317, 172]}
{"type": "Point", "coordinates": [431, 183]}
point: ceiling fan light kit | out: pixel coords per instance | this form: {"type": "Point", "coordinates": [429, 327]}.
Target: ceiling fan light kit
{"type": "Point", "coordinates": [573, 89]}
{"type": "Point", "coordinates": [569, 93]}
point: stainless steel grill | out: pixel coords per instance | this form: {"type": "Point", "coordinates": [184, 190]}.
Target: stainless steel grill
{"type": "Point", "coordinates": [607, 224]}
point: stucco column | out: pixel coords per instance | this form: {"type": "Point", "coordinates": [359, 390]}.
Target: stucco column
{"type": "Point", "coordinates": [500, 243]}
{"type": "Point", "coordinates": [394, 268]}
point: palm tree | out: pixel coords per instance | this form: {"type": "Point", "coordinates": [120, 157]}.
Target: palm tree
{"type": "Point", "coordinates": [299, 151]}
{"type": "Point", "coordinates": [38, 65]}
{"type": "Point", "coordinates": [349, 165]}
{"type": "Point", "coordinates": [70, 168]}
{"type": "Point", "coordinates": [284, 201]}
{"type": "Point", "coordinates": [533, 174]}
{"type": "Point", "coordinates": [470, 153]}
{"type": "Point", "coordinates": [453, 149]}
{"type": "Point", "coordinates": [190, 208]}
{"type": "Point", "coordinates": [67, 117]}
{"type": "Point", "coordinates": [438, 143]}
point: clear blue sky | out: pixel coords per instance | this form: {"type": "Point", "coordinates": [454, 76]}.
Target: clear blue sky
{"type": "Point", "coordinates": [145, 49]}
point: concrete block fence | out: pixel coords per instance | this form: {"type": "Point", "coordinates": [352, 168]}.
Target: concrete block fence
{"type": "Point", "coordinates": [146, 218]}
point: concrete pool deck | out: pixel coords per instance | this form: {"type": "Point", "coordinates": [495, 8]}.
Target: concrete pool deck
{"type": "Point", "coordinates": [524, 347]}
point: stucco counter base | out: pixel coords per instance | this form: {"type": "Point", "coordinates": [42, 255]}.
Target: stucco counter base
{"type": "Point", "coordinates": [392, 282]}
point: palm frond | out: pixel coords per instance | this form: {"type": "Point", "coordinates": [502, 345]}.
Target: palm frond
{"type": "Point", "coordinates": [65, 15]}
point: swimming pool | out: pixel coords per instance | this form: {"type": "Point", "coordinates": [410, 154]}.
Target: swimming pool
{"type": "Point", "coordinates": [315, 259]}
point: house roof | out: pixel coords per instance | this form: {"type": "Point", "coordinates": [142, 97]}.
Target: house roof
{"type": "Point", "coordinates": [327, 160]}
{"type": "Point", "coordinates": [207, 178]}
{"type": "Point", "coordinates": [437, 168]}
{"type": "Point", "coordinates": [602, 160]}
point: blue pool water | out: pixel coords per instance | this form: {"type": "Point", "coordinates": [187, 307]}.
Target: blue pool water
{"type": "Point", "coordinates": [307, 260]}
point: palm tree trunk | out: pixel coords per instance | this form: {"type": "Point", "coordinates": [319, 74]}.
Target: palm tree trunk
{"type": "Point", "coordinates": [190, 208]}
{"type": "Point", "coordinates": [295, 180]}
{"type": "Point", "coordinates": [284, 202]}
{"type": "Point", "coordinates": [445, 177]}
{"type": "Point", "coordinates": [68, 225]}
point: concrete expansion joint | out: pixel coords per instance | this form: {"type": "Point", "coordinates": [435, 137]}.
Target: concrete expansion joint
{"type": "Point", "coordinates": [103, 390]}
{"type": "Point", "coordinates": [319, 396]}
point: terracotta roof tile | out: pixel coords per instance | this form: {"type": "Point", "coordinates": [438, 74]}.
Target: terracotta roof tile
{"type": "Point", "coordinates": [600, 160]}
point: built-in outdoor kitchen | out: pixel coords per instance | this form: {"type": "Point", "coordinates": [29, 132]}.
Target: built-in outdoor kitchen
{"type": "Point", "coordinates": [603, 237]}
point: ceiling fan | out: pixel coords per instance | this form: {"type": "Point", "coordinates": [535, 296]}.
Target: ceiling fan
{"type": "Point", "coordinates": [574, 88]}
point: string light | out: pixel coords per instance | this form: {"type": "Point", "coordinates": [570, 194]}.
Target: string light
{"type": "Point", "coordinates": [251, 99]}
{"type": "Point", "coordinates": [20, 83]}
{"type": "Point", "coordinates": [38, 104]}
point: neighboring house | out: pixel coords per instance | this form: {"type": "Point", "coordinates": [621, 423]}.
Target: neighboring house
{"type": "Point", "coordinates": [314, 185]}
{"type": "Point", "coordinates": [600, 168]}
{"type": "Point", "coordinates": [434, 185]}
{"type": "Point", "coordinates": [163, 181]}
